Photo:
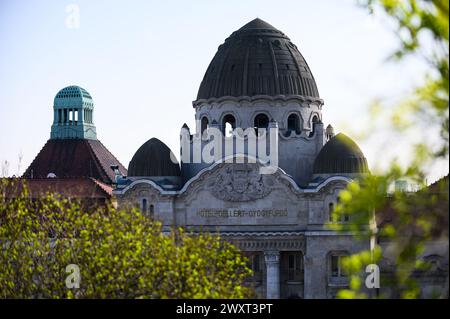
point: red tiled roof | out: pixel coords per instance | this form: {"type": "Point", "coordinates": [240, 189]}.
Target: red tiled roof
{"type": "Point", "coordinates": [74, 158]}
{"type": "Point", "coordinates": [77, 187]}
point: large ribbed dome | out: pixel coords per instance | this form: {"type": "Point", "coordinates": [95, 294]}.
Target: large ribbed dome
{"type": "Point", "coordinates": [340, 155]}
{"type": "Point", "coordinates": [255, 60]}
{"type": "Point", "coordinates": [153, 158]}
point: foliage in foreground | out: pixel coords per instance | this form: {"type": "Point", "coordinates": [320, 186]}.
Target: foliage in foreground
{"type": "Point", "coordinates": [422, 216]}
{"type": "Point", "coordinates": [410, 221]}
{"type": "Point", "coordinates": [120, 254]}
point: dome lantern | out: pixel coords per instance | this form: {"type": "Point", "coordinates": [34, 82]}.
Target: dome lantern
{"type": "Point", "coordinates": [73, 115]}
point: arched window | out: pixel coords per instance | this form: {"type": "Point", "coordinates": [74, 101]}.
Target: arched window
{"type": "Point", "coordinates": [261, 121]}
{"type": "Point", "coordinates": [344, 217]}
{"type": "Point", "coordinates": [204, 124]}
{"type": "Point", "coordinates": [294, 123]}
{"type": "Point", "coordinates": [228, 124]}
{"type": "Point", "coordinates": [314, 121]}
{"type": "Point", "coordinates": [144, 205]}
{"type": "Point", "coordinates": [330, 211]}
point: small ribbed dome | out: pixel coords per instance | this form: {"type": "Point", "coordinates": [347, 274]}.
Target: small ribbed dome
{"type": "Point", "coordinates": [340, 155]}
{"type": "Point", "coordinates": [257, 59]}
{"type": "Point", "coordinates": [154, 158]}
{"type": "Point", "coordinates": [73, 96]}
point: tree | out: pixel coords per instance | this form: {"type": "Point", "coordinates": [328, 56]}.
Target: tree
{"type": "Point", "coordinates": [419, 217]}
{"type": "Point", "coordinates": [120, 254]}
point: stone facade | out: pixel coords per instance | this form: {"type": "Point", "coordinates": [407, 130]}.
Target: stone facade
{"type": "Point", "coordinates": [266, 215]}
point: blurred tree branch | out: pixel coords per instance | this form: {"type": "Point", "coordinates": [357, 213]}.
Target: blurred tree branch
{"type": "Point", "coordinates": [422, 27]}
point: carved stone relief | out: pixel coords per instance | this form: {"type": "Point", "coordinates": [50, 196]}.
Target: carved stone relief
{"type": "Point", "coordinates": [241, 182]}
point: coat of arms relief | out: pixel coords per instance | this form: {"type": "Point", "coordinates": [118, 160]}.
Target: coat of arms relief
{"type": "Point", "coordinates": [241, 182]}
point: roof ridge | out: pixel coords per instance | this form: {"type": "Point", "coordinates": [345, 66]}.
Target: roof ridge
{"type": "Point", "coordinates": [122, 168]}
{"type": "Point", "coordinates": [98, 162]}
{"type": "Point", "coordinates": [32, 162]}
{"type": "Point", "coordinates": [114, 157]}
{"type": "Point", "coordinates": [118, 162]}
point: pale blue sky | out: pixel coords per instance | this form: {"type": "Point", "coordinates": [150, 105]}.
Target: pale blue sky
{"type": "Point", "coordinates": [143, 61]}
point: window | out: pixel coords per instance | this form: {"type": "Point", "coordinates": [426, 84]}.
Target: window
{"type": "Point", "coordinates": [293, 124]}
{"type": "Point", "coordinates": [255, 264]}
{"type": "Point", "coordinates": [228, 125]}
{"type": "Point", "coordinates": [330, 211]}
{"type": "Point", "coordinates": [314, 121]}
{"type": "Point", "coordinates": [261, 121]}
{"type": "Point", "coordinates": [336, 270]}
{"type": "Point", "coordinates": [152, 211]}
{"type": "Point", "coordinates": [342, 218]}
{"type": "Point", "coordinates": [204, 124]}
{"type": "Point", "coordinates": [144, 205]}
{"type": "Point", "coordinates": [295, 266]}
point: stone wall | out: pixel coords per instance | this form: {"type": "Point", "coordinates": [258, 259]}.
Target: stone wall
{"type": "Point", "coordinates": [264, 214]}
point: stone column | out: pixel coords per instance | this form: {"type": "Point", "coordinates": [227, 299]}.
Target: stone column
{"type": "Point", "coordinates": [308, 281]}
{"type": "Point", "coordinates": [272, 259]}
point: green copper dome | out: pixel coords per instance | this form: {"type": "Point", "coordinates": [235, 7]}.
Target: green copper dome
{"type": "Point", "coordinates": [74, 95]}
